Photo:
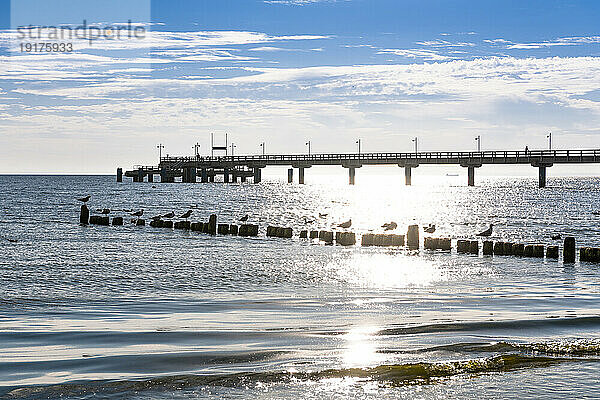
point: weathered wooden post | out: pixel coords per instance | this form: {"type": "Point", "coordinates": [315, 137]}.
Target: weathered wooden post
{"type": "Point", "coordinates": [412, 237]}
{"type": "Point", "coordinates": [119, 174]}
{"type": "Point", "coordinates": [84, 215]}
{"type": "Point", "coordinates": [569, 250]}
{"type": "Point", "coordinates": [212, 224]}
{"type": "Point", "coordinates": [552, 252]}
{"type": "Point", "coordinates": [117, 221]}
{"type": "Point", "coordinates": [257, 175]}
{"type": "Point", "coordinates": [488, 248]}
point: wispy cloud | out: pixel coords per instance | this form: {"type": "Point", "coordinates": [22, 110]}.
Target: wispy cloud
{"type": "Point", "coordinates": [429, 55]}
{"type": "Point", "coordinates": [566, 41]}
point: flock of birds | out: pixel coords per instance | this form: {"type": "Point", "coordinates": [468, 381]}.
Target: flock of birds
{"type": "Point", "coordinates": [389, 226]}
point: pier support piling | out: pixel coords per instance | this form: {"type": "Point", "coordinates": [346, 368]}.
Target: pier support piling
{"type": "Point", "coordinates": [204, 175]}
{"type": "Point", "coordinates": [301, 175]}
{"type": "Point", "coordinates": [408, 176]}
{"type": "Point", "coordinates": [84, 215]}
{"type": "Point", "coordinates": [290, 175]}
{"type": "Point", "coordinates": [257, 175]}
{"type": "Point", "coordinates": [542, 176]}
{"type": "Point", "coordinates": [226, 175]}
{"type": "Point", "coordinates": [471, 176]}
{"type": "Point", "coordinates": [150, 177]}
{"type": "Point", "coordinates": [119, 174]}
{"type": "Point", "coordinates": [351, 175]}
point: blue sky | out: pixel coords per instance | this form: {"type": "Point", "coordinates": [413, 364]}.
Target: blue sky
{"type": "Point", "coordinates": [285, 72]}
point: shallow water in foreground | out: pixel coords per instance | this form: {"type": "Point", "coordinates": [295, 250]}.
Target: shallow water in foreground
{"type": "Point", "coordinates": [138, 312]}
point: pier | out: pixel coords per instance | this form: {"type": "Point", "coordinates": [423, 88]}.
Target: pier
{"type": "Point", "coordinates": [232, 169]}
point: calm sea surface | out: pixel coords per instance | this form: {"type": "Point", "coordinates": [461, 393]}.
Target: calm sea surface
{"type": "Point", "coordinates": [145, 313]}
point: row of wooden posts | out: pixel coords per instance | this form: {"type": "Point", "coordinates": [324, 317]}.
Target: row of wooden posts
{"type": "Point", "coordinates": [489, 248]}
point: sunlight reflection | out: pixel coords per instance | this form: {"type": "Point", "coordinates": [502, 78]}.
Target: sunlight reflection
{"type": "Point", "coordinates": [360, 347]}
{"type": "Point", "coordinates": [387, 270]}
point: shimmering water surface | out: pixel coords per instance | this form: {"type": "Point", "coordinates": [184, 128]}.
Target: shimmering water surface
{"type": "Point", "coordinates": [139, 312]}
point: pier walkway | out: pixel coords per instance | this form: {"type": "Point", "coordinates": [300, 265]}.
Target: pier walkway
{"type": "Point", "coordinates": [234, 168]}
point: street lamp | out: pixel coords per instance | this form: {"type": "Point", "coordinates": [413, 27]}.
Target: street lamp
{"type": "Point", "coordinates": [160, 147]}
{"type": "Point", "coordinates": [233, 146]}
{"type": "Point", "coordinates": [358, 142]}
{"type": "Point", "coordinates": [416, 142]}
{"type": "Point", "coordinates": [263, 148]}
{"type": "Point", "coordinates": [308, 144]}
{"type": "Point", "coordinates": [549, 136]}
{"type": "Point", "coordinates": [478, 140]}
{"type": "Point", "coordinates": [196, 148]}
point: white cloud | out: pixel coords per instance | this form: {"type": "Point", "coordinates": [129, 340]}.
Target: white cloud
{"type": "Point", "coordinates": [429, 55]}
{"type": "Point", "coordinates": [566, 41]}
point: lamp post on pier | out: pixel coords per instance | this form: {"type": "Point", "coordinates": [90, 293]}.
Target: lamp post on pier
{"type": "Point", "coordinates": [160, 147]}
{"type": "Point", "coordinates": [416, 142]}
{"type": "Point", "coordinates": [196, 148]}
{"type": "Point", "coordinates": [308, 144]}
{"type": "Point", "coordinates": [478, 140]}
{"type": "Point", "coordinates": [359, 142]}
{"type": "Point", "coordinates": [262, 145]}
{"type": "Point", "coordinates": [233, 146]}
{"type": "Point", "coordinates": [549, 136]}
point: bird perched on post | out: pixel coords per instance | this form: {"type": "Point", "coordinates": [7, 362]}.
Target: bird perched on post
{"type": "Point", "coordinates": [169, 215]}
{"type": "Point", "coordinates": [186, 215]}
{"type": "Point", "coordinates": [390, 226]}
{"type": "Point", "coordinates": [429, 229]}
{"type": "Point", "coordinates": [346, 224]}
{"type": "Point", "coordinates": [245, 218]}
{"type": "Point", "coordinates": [84, 199]}
{"type": "Point", "coordinates": [487, 232]}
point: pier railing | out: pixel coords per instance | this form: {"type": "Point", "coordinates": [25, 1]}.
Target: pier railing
{"type": "Point", "coordinates": [559, 156]}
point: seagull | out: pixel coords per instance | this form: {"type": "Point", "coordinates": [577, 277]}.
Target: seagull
{"type": "Point", "coordinates": [138, 213]}
{"type": "Point", "coordinates": [555, 237]}
{"type": "Point", "coordinates": [244, 218]}
{"type": "Point", "coordinates": [169, 215]}
{"type": "Point", "coordinates": [187, 214]}
{"type": "Point", "coordinates": [84, 199]}
{"type": "Point", "coordinates": [346, 224]}
{"type": "Point", "coordinates": [322, 215]}
{"type": "Point", "coordinates": [429, 229]}
{"type": "Point", "coordinates": [390, 227]}
{"type": "Point", "coordinates": [487, 232]}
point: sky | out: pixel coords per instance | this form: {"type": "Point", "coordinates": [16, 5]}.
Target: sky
{"type": "Point", "coordinates": [285, 72]}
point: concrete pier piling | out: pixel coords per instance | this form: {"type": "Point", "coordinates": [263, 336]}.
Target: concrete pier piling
{"type": "Point", "coordinates": [117, 221]}
{"type": "Point", "coordinates": [413, 237]}
{"type": "Point", "coordinates": [463, 246]}
{"type": "Point", "coordinates": [223, 229]}
{"type": "Point", "coordinates": [290, 175]}
{"type": "Point", "coordinates": [314, 234]}
{"type": "Point", "coordinates": [345, 238]}
{"type": "Point", "coordinates": [233, 229]}
{"type": "Point", "coordinates": [257, 172]}
{"type": "Point", "coordinates": [471, 176]}
{"type": "Point", "coordinates": [488, 248]}
{"type": "Point", "coordinates": [569, 250]}
{"type": "Point", "coordinates": [156, 223]}
{"type": "Point", "coordinates": [212, 224]}
{"type": "Point", "coordinates": [367, 239]}
{"type": "Point", "coordinates": [552, 252]}
{"type": "Point", "coordinates": [119, 174]}
{"type": "Point", "coordinates": [408, 176]}
{"type": "Point", "coordinates": [518, 249]}
{"type": "Point", "coordinates": [326, 236]}
{"type": "Point", "coordinates": [430, 243]}
{"type": "Point", "coordinates": [182, 225]}
{"type": "Point", "coordinates": [499, 248]}
{"type": "Point", "coordinates": [84, 215]}
{"type": "Point", "coordinates": [474, 247]}
{"type": "Point", "coordinates": [301, 175]}
{"type": "Point", "coordinates": [542, 177]}
{"type": "Point", "coordinates": [538, 251]}
{"type": "Point", "coordinates": [248, 230]}
{"type": "Point", "coordinates": [351, 175]}
{"type": "Point", "coordinates": [99, 220]}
